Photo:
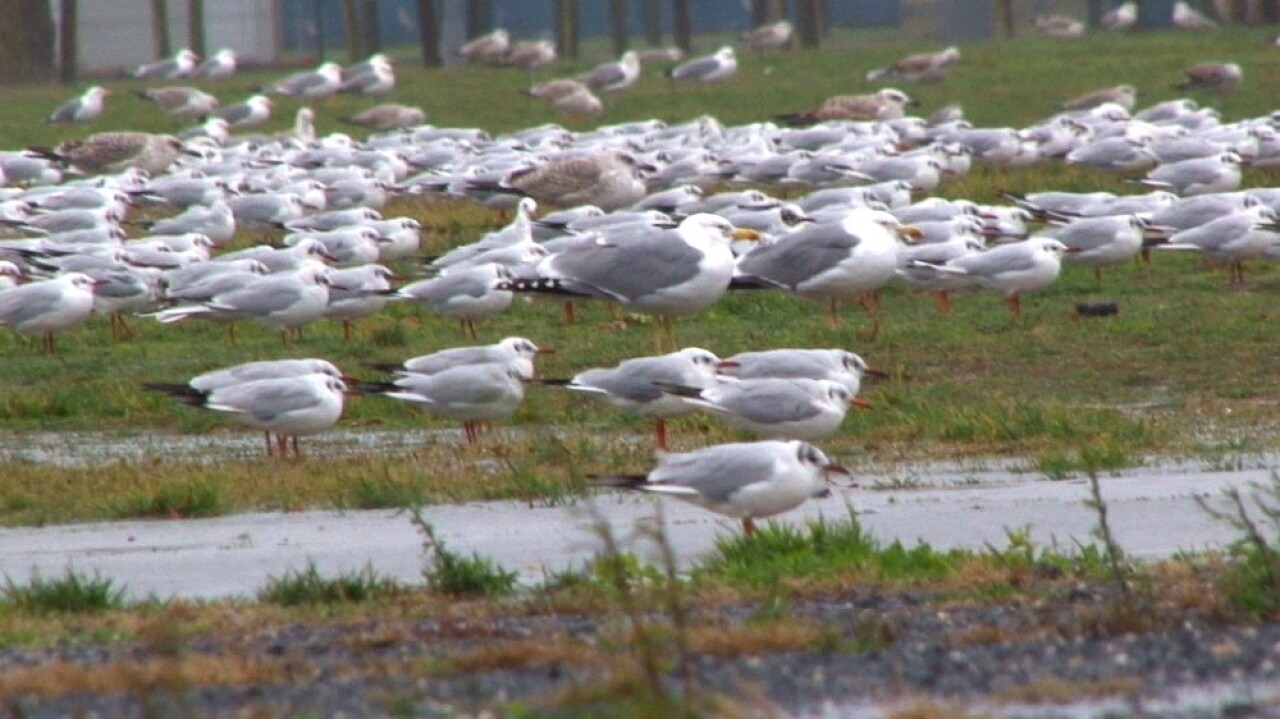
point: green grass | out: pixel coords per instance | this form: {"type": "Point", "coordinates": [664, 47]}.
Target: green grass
{"type": "Point", "coordinates": [971, 384]}
{"type": "Point", "coordinates": [449, 572]}
{"type": "Point", "coordinates": [73, 592]}
{"type": "Point", "coordinates": [820, 549]}
{"type": "Point", "coordinates": [308, 586]}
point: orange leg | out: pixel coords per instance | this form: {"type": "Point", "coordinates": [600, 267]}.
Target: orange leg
{"type": "Point", "coordinates": [748, 526]}
{"type": "Point", "coordinates": [660, 433]}
{"type": "Point", "coordinates": [267, 436]}
{"type": "Point", "coordinates": [833, 313]}
{"type": "Point", "coordinates": [943, 298]}
{"type": "Point", "coordinates": [1015, 305]}
{"type": "Point", "coordinates": [570, 313]}
{"type": "Point", "coordinates": [346, 330]}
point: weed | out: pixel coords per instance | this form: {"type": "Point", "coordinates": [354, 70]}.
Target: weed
{"type": "Point", "coordinates": [196, 498]}
{"type": "Point", "coordinates": [455, 574]}
{"type": "Point", "coordinates": [1253, 583]}
{"type": "Point", "coordinates": [71, 593]}
{"type": "Point", "coordinates": [307, 586]}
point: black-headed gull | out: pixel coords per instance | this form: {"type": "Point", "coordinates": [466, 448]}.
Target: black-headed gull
{"type": "Point", "coordinates": [471, 393]}
{"type": "Point", "coordinates": [42, 308]}
{"type": "Point", "coordinates": [83, 108]}
{"type": "Point", "coordinates": [747, 481]}
{"type": "Point", "coordinates": [773, 407]}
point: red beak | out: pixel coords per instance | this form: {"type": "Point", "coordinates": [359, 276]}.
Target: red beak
{"type": "Point", "coordinates": [860, 403]}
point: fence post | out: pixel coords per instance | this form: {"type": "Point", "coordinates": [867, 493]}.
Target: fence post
{"type": "Point", "coordinates": [810, 23]}
{"type": "Point", "coordinates": [369, 25]}
{"type": "Point", "coordinates": [681, 24]}
{"type": "Point", "coordinates": [429, 33]}
{"type": "Point", "coordinates": [68, 58]}
{"type": "Point", "coordinates": [195, 27]}
{"type": "Point", "coordinates": [160, 28]}
{"type": "Point", "coordinates": [618, 21]}
{"type": "Point", "coordinates": [653, 22]}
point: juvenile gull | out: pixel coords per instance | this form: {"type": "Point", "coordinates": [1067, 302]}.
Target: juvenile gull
{"type": "Point", "coordinates": [1215, 77]}
{"type": "Point", "coordinates": [110, 152]}
{"type": "Point", "coordinates": [1125, 96]}
{"type": "Point", "coordinates": [490, 48]}
{"type": "Point", "coordinates": [531, 54]}
{"type": "Point", "coordinates": [920, 67]}
{"type": "Point", "coordinates": [769, 36]}
{"type": "Point", "coordinates": [607, 179]}
{"type": "Point", "coordinates": [85, 108]}
{"type": "Point", "coordinates": [885, 104]}
{"type": "Point", "coordinates": [187, 103]}
{"type": "Point", "coordinates": [389, 116]}
{"type": "Point", "coordinates": [747, 481]}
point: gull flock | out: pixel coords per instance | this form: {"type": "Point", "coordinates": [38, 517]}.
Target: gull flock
{"type": "Point", "coordinates": [830, 205]}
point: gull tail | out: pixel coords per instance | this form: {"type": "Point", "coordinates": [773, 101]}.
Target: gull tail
{"type": "Point", "coordinates": [550, 382]}
{"type": "Point", "coordinates": [620, 481]}
{"type": "Point", "coordinates": [182, 392]}
{"type": "Point", "coordinates": [544, 286]}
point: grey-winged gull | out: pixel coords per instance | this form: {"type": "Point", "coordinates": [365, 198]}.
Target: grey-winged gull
{"type": "Point", "coordinates": [42, 308]}
{"type": "Point", "coordinates": [746, 481]}
{"type": "Point", "coordinates": [716, 67]}
{"type": "Point", "coordinates": [615, 75]}
{"type": "Point", "coordinates": [389, 116]}
{"type": "Point", "coordinates": [182, 64]}
{"type": "Point", "coordinates": [187, 103]}
{"type": "Point", "coordinates": [471, 393]}
{"type": "Point", "coordinates": [775, 407]}
{"type": "Point", "coordinates": [83, 108]}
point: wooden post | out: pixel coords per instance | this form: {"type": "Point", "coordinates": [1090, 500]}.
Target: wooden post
{"type": "Point", "coordinates": [1004, 12]}
{"type": "Point", "coordinates": [810, 28]}
{"type": "Point", "coordinates": [653, 22]}
{"type": "Point", "coordinates": [479, 18]}
{"type": "Point", "coordinates": [1094, 14]}
{"type": "Point", "coordinates": [618, 21]}
{"type": "Point", "coordinates": [195, 27]}
{"type": "Point", "coordinates": [1271, 11]}
{"type": "Point", "coordinates": [567, 17]}
{"type": "Point", "coordinates": [369, 25]}
{"type": "Point", "coordinates": [68, 58]}
{"type": "Point", "coordinates": [26, 41]}
{"type": "Point", "coordinates": [351, 28]}
{"type": "Point", "coordinates": [682, 24]}
{"type": "Point", "coordinates": [759, 12]}
{"type": "Point", "coordinates": [429, 33]}
{"type": "Point", "coordinates": [160, 28]}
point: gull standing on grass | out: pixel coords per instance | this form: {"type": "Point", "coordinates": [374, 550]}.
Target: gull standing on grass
{"type": "Point", "coordinates": [1012, 269]}
{"type": "Point", "coordinates": [283, 302]}
{"type": "Point", "coordinates": [665, 272]}
{"type": "Point", "coordinates": [185, 103]}
{"type": "Point", "coordinates": [615, 75]}
{"type": "Point", "coordinates": [515, 351]}
{"type": "Point", "coordinates": [84, 108]}
{"type": "Point", "coordinates": [716, 67]}
{"type": "Point", "coordinates": [746, 481]}
{"type": "Point", "coordinates": [222, 64]}
{"type": "Point", "coordinates": [1232, 238]}
{"type": "Point", "coordinates": [1216, 77]}
{"type": "Point", "coordinates": [310, 85]}
{"type": "Point", "coordinates": [851, 258]}
{"type": "Point", "coordinates": [633, 385]}
{"type": "Point", "coordinates": [1099, 242]}
{"type": "Point", "coordinates": [1197, 176]}
{"type": "Point", "coordinates": [182, 64]}
{"type": "Point", "coordinates": [389, 116]}
{"type": "Point", "coordinates": [837, 365]}
{"type": "Point", "coordinates": [253, 111]}
{"type": "Point", "coordinates": [205, 384]}
{"type": "Point", "coordinates": [774, 408]}
{"type": "Point", "coordinates": [471, 393]}
{"type": "Point", "coordinates": [467, 293]}
{"type": "Point", "coordinates": [608, 179]}
{"type": "Point", "coordinates": [111, 152]}
{"type": "Point", "coordinates": [288, 407]}
{"type": "Point", "coordinates": [42, 308]}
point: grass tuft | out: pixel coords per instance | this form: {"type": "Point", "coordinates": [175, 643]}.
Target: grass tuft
{"type": "Point", "coordinates": [459, 575]}
{"type": "Point", "coordinates": [307, 586]}
{"type": "Point", "coordinates": [71, 593]}
{"type": "Point", "coordinates": [195, 498]}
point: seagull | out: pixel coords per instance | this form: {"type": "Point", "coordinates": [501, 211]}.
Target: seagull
{"type": "Point", "coordinates": [186, 103]}
{"type": "Point", "coordinates": [357, 292]}
{"type": "Point", "coordinates": [216, 222]}
{"type": "Point", "coordinates": [112, 152]}
{"type": "Point", "coordinates": [531, 54]}
{"type": "Point", "coordinates": [884, 104]}
{"type": "Point", "coordinates": [1098, 242]}
{"type": "Point", "coordinates": [717, 67]}
{"type": "Point", "coordinates": [472, 393]}
{"type": "Point", "coordinates": [1197, 176]}
{"type": "Point", "coordinates": [654, 270]}
{"type": "Point", "coordinates": [1013, 269]}
{"type": "Point", "coordinates": [633, 385]}
{"type": "Point", "coordinates": [253, 111]}
{"type": "Point", "coordinates": [769, 36]}
{"type": "Point", "coordinates": [613, 76]}
{"type": "Point", "coordinates": [1121, 17]}
{"type": "Point", "coordinates": [746, 481]}
{"type": "Point", "coordinates": [1231, 238]}
{"type": "Point", "coordinates": [774, 408]}
{"type": "Point", "coordinates": [390, 116]}
{"type": "Point", "coordinates": [829, 261]}
{"type": "Point", "coordinates": [84, 108]}
{"type": "Point", "coordinates": [1060, 27]}
{"type": "Point", "coordinates": [288, 406]}
{"type": "Point", "coordinates": [490, 48]}
{"type": "Point", "coordinates": [48, 306]}
{"type": "Point", "coordinates": [518, 352]}
{"type": "Point", "coordinates": [467, 293]}
{"type": "Point", "coordinates": [608, 179]}
{"type": "Point", "coordinates": [921, 67]}
{"type": "Point", "coordinates": [553, 90]}
{"type": "Point", "coordinates": [580, 103]}
{"type": "Point", "coordinates": [1125, 96]}
{"type": "Point", "coordinates": [374, 76]}
{"type": "Point", "coordinates": [222, 64]}
{"type": "Point", "coordinates": [310, 85]}
{"type": "Point", "coordinates": [1215, 77]}
{"type": "Point", "coordinates": [282, 302]}
{"type": "Point", "coordinates": [182, 64]}
{"type": "Point", "coordinates": [918, 267]}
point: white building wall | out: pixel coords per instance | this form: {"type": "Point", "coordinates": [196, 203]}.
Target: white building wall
{"type": "Point", "coordinates": [115, 35]}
